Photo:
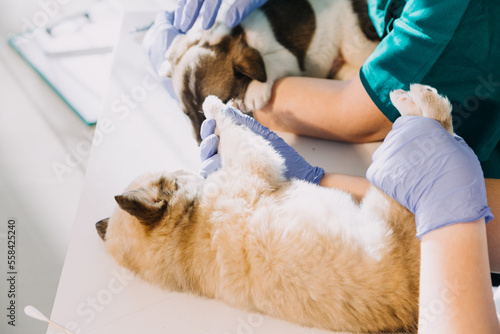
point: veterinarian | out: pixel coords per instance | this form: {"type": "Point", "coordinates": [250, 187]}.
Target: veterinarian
{"type": "Point", "coordinates": [451, 45]}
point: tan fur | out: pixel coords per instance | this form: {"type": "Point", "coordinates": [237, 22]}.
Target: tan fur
{"type": "Point", "coordinates": [425, 101]}
{"type": "Point", "coordinates": [286, 248]}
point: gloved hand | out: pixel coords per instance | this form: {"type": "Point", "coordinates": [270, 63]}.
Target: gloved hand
{"type": "Point", "coordinates": [433, 174]}
{"type": "Point", "coordinates": [297, 166]}
{"type": "Point", "coordinates": [210, 159]}
{"type": "Point", "coordinates": [187, 12]}
{"type": "Point", "coordinates": [159, 37]}
{"type": "Point", "coordinates": [156, 42]}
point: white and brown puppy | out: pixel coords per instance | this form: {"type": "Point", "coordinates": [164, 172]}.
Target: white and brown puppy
{"type": "Point", "coordinates": [286, 248]}
{"type": "Point", "coordinates": [315, 38]}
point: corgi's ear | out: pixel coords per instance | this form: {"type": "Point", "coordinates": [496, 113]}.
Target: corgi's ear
{"type": "Point", "coordinates": [101, 227]}
{"type": "Point", "coordinates": [249, 62]}
{"type": "Point", "coordinates": [138, 203]}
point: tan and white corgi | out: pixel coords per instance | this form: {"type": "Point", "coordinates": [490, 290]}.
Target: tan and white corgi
{"type": "Point", "coordinates": [286, 248]}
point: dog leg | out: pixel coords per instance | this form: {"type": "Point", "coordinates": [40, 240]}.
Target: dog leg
{"type": "Point", "coordinates": [424, 101]}
{"type": "Point", "coordinates": [278, 65]}
{"type": "Point", "coordinates": [257, 95]}
{"type": "Point", "coordinates": [433, 105]}
{"type": "Point", "coordinates": [242, 151]}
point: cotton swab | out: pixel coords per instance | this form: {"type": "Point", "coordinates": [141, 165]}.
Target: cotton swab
{"type": "Point", "coordinates": [32, 312]}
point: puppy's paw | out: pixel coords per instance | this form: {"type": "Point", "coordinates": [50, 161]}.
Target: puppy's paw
{"type": "Point", "coordinates": [433, 105]}
{"type": "Point", "coordinates": [257, 95]}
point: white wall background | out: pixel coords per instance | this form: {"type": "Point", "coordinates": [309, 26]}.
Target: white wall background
{"type": "Point", "coordinates": [37, 129]}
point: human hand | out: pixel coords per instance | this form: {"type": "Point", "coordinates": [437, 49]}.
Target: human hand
{"type": "Point", "coordinates": [296, 166]}
{"type": "Point", "coordinates": [433, 174]}
{"type": "Point", "coordinates": [159, 37]}
{"type": "Point", "coordinates": [187, 12]}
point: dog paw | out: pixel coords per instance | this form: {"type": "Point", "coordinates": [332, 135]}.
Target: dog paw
{"type": "Point", "coordinates": [424, 101]}
{"type": "Point", "coordinates": [403, 101]}
{"type": "Point", "coordinates": [257, 95]}
{"type": "Point", "coordinates": [433, 105]}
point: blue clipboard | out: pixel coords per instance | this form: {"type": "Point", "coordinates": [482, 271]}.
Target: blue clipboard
{"type": "Point", "coordinates": [74, 62]}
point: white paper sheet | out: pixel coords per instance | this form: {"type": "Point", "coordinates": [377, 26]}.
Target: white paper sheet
{"type": "Point", "coordinates": [75, 59]}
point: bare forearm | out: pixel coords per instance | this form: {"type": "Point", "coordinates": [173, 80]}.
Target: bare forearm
{"type": "Point", "coordinates": [493, 227]}
{"type": "Point", "coordinates": [455, 288]}
{"type": "Point", "coordinates": [356, 185]}
{"type": "Point", "coordinates": [330, 109]}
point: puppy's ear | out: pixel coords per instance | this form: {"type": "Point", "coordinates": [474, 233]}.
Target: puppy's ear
{"type": "Point", "coordinates": [249, 62]}
{"type": "Point", "coordinates": [101, 227]}
{"type": "Point", "coordinates": [138, 203]}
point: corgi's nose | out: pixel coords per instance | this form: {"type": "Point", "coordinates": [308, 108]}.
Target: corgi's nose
{"type": "Point", "coordinates": [101, 227]}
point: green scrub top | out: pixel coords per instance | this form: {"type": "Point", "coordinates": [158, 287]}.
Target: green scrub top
{"type": "Point", "coordinates": [452, 45]}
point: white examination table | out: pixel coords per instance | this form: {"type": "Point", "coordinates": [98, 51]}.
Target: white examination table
{"type": "Point", "coordinates": [141, 129]}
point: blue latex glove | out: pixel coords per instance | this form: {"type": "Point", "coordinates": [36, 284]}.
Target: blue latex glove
{"type": "Point", "coordinates": [210, 159]}
{"type": "Point", "coordinates": [297, 166]}
{"type": "Point", "coordinates": [187, 12]}
{"type": "Point", "coordinates": [433, 174]}
{"type": "Point", "coordinates": [156, 42]}
{"type": "Point", "coordinates": [159, 37]}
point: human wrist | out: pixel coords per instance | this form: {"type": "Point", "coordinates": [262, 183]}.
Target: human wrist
{"type": "Point", "coordinates": [432, 173]}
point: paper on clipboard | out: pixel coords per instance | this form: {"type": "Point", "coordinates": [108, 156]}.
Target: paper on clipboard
{"type": "Point", "coordinates": [74, 58]}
